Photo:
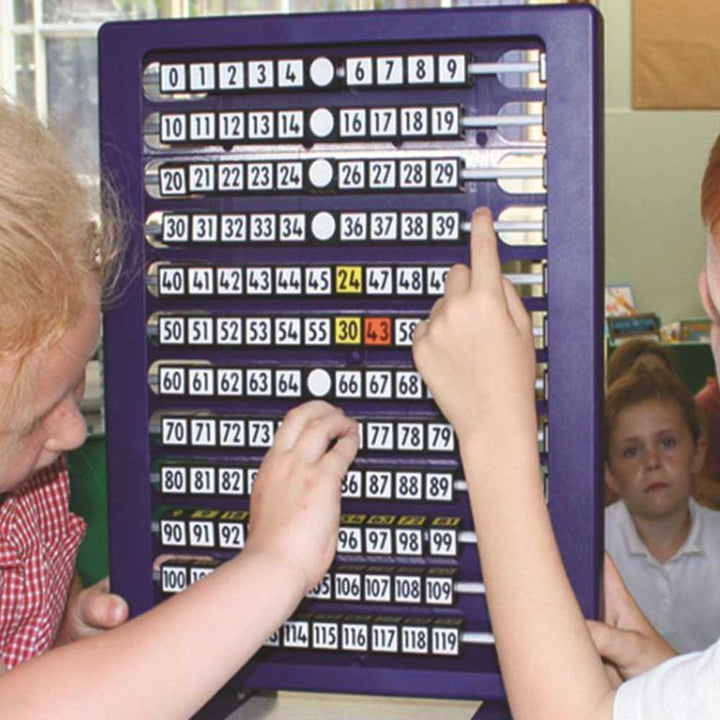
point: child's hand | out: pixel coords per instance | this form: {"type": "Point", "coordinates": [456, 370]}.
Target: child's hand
{"type": "Point", "coordinates": [626, 640]}
{"type": "Point", "coordinates": [476, 351]}
{"type": "Point", "coordinates": [91, 611]}
{"type": "Point", "coordinates": [295, 505]}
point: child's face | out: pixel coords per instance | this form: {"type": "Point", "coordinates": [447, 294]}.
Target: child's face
{"type": "Point", "coordinates": [48, 419]}
{"type": "Point", "coordinates": [653, 458]}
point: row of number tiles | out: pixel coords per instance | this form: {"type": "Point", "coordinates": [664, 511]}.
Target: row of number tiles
{"type": "Point", "coordinates": [381, 634]}
{"type": "Point", "coordinates": [188, 330]}
{"type": "Point", "coordinates": [359, 534]}
{"type": "Point", "coordinates": [357, 484]}
{"type": "Point", "coordinates": [374, 435]}
{"type": "Point", "coordinates": [434, 586]}
{"type": "Point", "coordinates": [318, 280]}
{"type": "Point", "coordinates": [179, 330]}
{"type": "Point", "coordinates": [333, 383]}
{"type": "Point", "coordinates": [323, 226]}
{"type": "Point", "coordinates": [440, 122]}
{"type": "Point", "coordinates": [365, 484]}
{"type": "Point", "coordinates": [317, 73]}
{"type": "Point", "coordinates": [380, 436]}
{"type": "Point", "coordinates": [297, 176]}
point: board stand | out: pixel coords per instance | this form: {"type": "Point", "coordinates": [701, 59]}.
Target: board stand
{"type": "Point", "coordinates": [493, 710]}
{"type": "Point", "coordinates": [225, 702]}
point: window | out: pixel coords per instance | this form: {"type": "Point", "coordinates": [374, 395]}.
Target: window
{"type": "Point", "coordinates": [48, 51]}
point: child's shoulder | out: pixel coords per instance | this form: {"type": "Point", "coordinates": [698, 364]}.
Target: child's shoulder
{"type": "Point", "coordinates": [619, 527]}
{"type": "Point", "coordinates": [710, 519]}
{"type": "Point", "coordinates": [617, 513]}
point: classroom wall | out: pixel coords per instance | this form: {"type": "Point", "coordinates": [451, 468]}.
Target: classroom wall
{"type": "Point", "coordinates": [653, 167]}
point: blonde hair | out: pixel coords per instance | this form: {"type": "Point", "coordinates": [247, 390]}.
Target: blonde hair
{"type": "Point", "coordinates": [54, 254]}
{"type": "Point", "coordinates": [59, 247]}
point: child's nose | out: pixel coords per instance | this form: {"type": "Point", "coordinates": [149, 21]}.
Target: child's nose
{"type": "Point", "coordinates": [65, 427]}
{"type": "Point", "coordinates": [652, 457]}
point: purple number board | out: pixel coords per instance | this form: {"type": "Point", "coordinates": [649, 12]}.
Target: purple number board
{"type": "Point", "coordinates": [298, 187]}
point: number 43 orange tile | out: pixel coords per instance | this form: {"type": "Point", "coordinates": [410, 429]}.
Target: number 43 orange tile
{"type": "Point", "coordinates": [377, 331]}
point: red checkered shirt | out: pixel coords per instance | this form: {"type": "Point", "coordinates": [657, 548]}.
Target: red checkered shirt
{"type": "Point", "coordinates": [39, 541]}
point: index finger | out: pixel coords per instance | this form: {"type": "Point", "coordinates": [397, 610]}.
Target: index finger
{"type": "Point", "coordinates": [297, 419]}
{"type": "Point", "coordinates": [338, 458]}
{"type": "Point", "coordinates": [320, 435]}
{"type": "Point", "coordinates": [484, 258]}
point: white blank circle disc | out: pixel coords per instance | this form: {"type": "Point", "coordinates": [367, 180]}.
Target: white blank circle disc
{"type": "Point", "coordinates": [319, 382]}
{"type": "Point", "coordinates": [321, 173]}
{"type": "Point", "coordinates": [322, 71]}
{"type": "Point", "coordinates": [323, 226]}
{"type": "Point", "coordinates": [321, 122]}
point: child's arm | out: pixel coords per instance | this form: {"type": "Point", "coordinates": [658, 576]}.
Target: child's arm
{"type": "Point", "coordinates": [89, 611]}
{"type": "Point", "coordinates": [626, 640]}
{"type": "Point", "coordinates": [477, 355]}
{"type": "Point", "coordinates": [166, 663]}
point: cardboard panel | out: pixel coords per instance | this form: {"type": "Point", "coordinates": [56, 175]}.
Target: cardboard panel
{"type": "Point", "coordinates": [676, 54]}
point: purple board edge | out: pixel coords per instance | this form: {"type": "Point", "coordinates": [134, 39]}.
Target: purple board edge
{"type": "Point", "coordinates": [575, 317]}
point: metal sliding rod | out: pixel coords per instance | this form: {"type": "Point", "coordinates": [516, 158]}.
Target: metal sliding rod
{"type": "Point", "coordinates": [477, 638]}
{"type": "Point", "coordinates": [490, 121]}
{"type": "Point", "coordinates": [510, 226]}
{"type": "Point", "coordinates": [499, 68]}
{"type": "Point", "coordinates": [525, 278]}
{"type": "Point", "coordinates": [520, 173]}
{"type": "Point", "coordinates": [538, 66]}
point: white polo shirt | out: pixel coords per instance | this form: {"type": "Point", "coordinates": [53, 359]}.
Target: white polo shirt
{"type": "Point", "coordinates": [684, 688]}
{"type": "Point", "coordinates": [681, 597]}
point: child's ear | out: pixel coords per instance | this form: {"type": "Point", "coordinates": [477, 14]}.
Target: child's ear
{"type": "Point", "coordinates": [611, 487]}
{"type": "Point", "coordinates": [700, 452]}
{"type": "Point", "coordinates": [610, 479]}
{"type": "Point", "coordinates": [704, 292]}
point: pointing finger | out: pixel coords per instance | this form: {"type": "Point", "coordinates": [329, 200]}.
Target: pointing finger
{"type": "Point", "coordinates": [457, 280]}
{"type": "Point", "coordinates": [485, 261]}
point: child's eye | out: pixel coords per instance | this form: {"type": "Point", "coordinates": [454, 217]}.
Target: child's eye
{"type": "Point", "coordinates": [630, 452]}
{"type": "Point", "coordinates": [669, 442]}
